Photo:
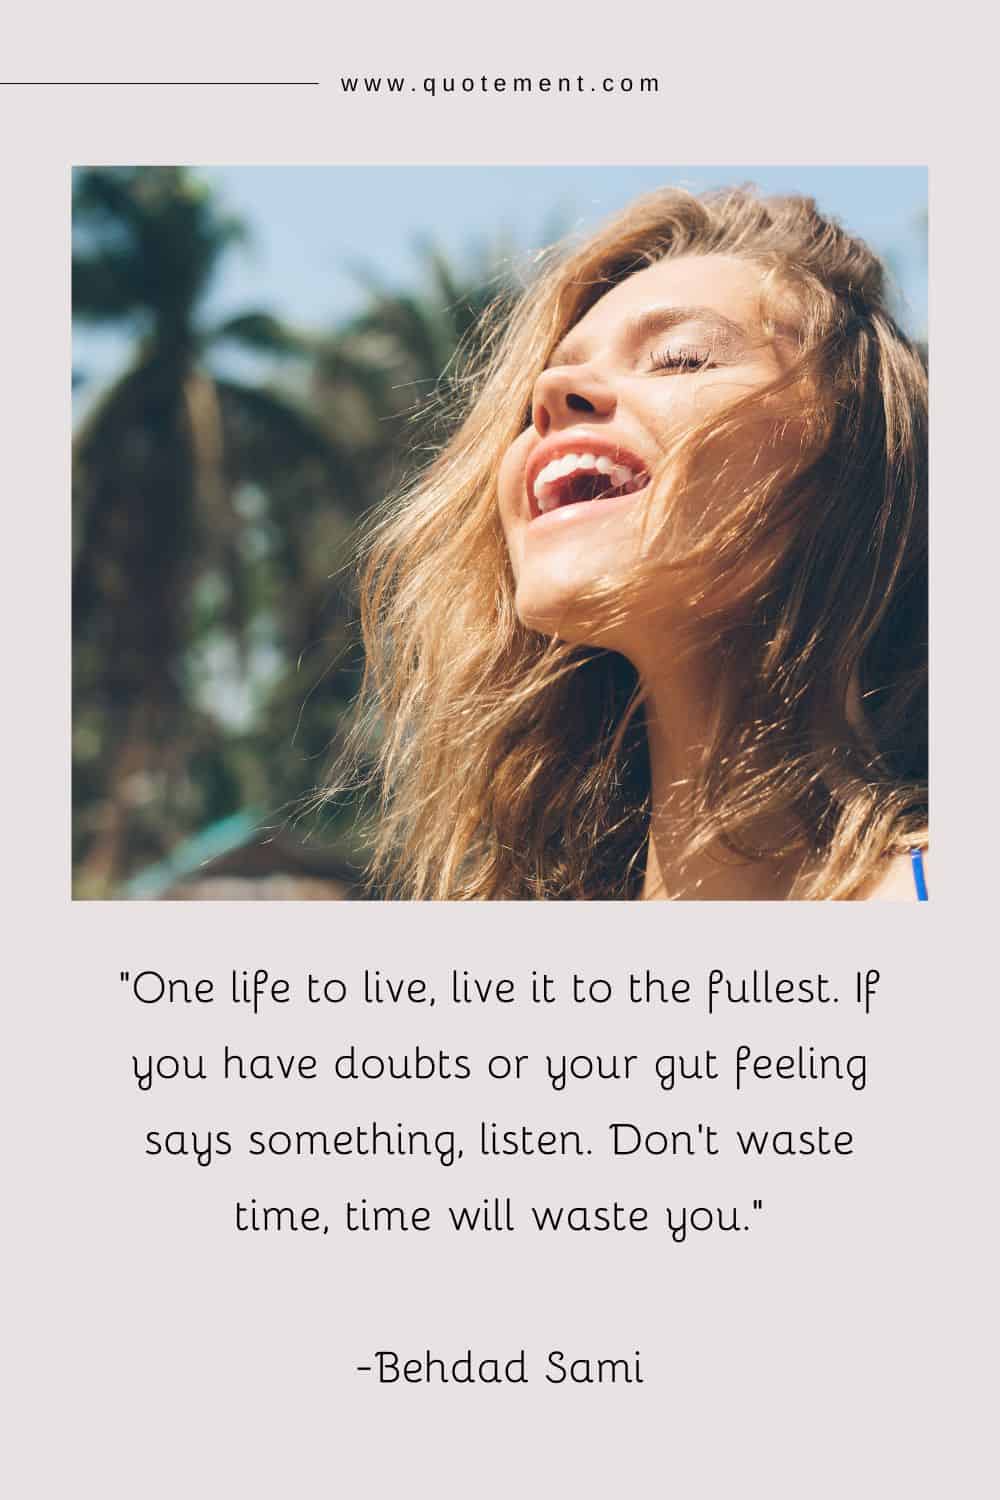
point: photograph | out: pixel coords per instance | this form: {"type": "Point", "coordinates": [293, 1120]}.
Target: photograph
{"type": "Point", "coordinates": [508, 533]}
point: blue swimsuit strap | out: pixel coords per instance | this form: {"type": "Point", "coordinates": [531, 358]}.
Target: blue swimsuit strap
{"type": "Point", "coordinates": [919, 878]}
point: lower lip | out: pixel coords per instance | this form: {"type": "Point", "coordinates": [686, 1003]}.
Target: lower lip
{"type": "Point", "coordinates": [594, 510]}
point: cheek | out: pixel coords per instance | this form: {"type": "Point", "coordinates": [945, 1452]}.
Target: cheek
{"type": "Point", "coordinates": [761, 441]}
{"type": "Point", "coordinates": [510, 493]}
{"type": "Point", "coordinates": [672, 405]}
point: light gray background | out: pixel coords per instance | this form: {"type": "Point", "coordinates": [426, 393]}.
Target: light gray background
{"type": "Point", "coordinates": [844, 1346]}
{"type": "Point", "coordinates": [824, 1352]}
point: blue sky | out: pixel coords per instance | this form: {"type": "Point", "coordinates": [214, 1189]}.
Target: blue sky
{"type": "Point", "coordinates": [311, 225]}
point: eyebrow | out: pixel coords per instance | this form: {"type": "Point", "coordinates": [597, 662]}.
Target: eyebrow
{"type": "Point", "coordinates": [660, 320]}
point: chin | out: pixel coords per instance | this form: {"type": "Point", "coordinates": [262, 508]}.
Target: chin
{"type": "Point", "coordinates": [560, 615]}
{"type": "Point", "coordinates": [551, 607]}
{"type": "Point", "coordinates": [553, 586]}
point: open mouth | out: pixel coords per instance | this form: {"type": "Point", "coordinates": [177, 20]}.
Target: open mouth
{"type": "Point", "coordinates": [575, 478]}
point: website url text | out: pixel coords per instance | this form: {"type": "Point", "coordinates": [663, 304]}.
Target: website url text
{"type": "Point", "coordinates": [454, 84]}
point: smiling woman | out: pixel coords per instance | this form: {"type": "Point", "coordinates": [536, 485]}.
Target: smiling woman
{"type": "Point", "coordinates": [653, 624]}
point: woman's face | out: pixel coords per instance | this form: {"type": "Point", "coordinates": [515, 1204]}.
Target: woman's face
{"type": "Point", "coordinates": [656, 355]}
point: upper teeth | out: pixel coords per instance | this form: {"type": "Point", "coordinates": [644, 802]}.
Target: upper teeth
{"type": "Point", "coordinates": [571, 463]}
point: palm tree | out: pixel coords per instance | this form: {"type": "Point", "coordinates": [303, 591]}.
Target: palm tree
{"type": "Point", "coordinates": [402, 356]}
{"type": "Point", "coordinates": [164, 541]}
{"type": "Point", "coordinates": [210, 514]}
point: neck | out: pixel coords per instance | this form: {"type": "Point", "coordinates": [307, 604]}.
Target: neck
{"type": "Point", "coordinates": [682, 712]}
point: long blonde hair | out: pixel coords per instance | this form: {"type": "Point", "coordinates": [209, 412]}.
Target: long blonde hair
{"type": "Point", "coordinates": [508, 765]}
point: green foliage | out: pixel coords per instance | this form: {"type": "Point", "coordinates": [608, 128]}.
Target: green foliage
{"type": "Point", "coordinates": [214, 521]}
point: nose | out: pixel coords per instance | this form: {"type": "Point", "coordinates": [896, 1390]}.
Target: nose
{"type": "Point", "coordinates": [567, 392]}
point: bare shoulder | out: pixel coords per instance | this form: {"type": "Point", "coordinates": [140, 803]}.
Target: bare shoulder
{"type": "Point", "coordinates": [896, 880]}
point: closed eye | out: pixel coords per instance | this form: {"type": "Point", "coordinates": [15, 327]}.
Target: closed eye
{"type": "Point", "coordinates": [681, 358]}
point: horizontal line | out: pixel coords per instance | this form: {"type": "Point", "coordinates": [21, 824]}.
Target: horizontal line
{"type": "Point", "coordinates": [159, 83]}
